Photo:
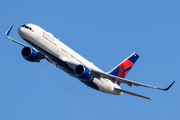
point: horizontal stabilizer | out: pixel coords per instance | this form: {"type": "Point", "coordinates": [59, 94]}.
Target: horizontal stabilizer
{"type": "Point", "coordinates": [134, 94]}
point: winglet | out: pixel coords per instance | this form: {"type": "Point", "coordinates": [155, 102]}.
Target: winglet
{"type": "Point", "coordinates": [166, 89]}
{"type": "Point", "coordinates": [8, 31]}
{"type": "Point", "coordinates": [7, 36]}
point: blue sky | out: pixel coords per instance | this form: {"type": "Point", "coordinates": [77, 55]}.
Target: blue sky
{"type": "Point", "coordinates": [104, 32]}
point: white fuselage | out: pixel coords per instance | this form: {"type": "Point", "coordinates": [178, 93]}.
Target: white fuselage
{"type": "Point", "coordinates": [46, 43]}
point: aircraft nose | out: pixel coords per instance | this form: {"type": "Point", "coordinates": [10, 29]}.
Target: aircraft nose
{"type": "Point", "coordinates": [21, 31]}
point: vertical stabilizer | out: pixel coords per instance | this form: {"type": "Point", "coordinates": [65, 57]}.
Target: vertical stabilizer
{"type": "Point", "coordinates": [124, 67]}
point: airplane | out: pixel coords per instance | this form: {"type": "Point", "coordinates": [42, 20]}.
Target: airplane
{"type": "Point", "coordinates": [46, 46]}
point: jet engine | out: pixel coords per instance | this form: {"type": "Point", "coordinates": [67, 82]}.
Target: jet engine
{"type": "Point", "coordinates": [31, 54]}
{"type": "Point", "coordinates": [83, 73]}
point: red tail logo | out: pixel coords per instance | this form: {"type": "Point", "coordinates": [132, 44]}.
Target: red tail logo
{"type": "Point", "coordinates": [123, 68]}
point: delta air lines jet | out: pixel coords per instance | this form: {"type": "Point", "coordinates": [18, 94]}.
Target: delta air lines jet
{"type": "Point", "coordinates": [46, 46]}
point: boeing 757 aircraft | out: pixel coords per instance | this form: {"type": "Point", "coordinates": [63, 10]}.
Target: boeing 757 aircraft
{"type": "Point", "coordinates": [46, 46]}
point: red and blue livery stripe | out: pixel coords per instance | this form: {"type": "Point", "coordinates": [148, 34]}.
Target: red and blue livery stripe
{"type": "Point", "coordinates": [123, 68]}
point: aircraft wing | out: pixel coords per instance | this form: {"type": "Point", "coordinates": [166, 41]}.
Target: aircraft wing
{"type": "Point", "coordinates": [99, 74]}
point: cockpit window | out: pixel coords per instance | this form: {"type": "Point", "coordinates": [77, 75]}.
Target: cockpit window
{"type": "Point", "coordinates": [27, 27]}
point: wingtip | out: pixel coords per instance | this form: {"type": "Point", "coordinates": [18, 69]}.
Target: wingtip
{"type": "Point", "coordinates": [169, 86]}
{"type": "Point", "coordinates": [166, 89]}
{"type": "Point", "coordinates": [8, 31]}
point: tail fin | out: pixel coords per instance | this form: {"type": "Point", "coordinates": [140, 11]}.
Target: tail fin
{"type": "Point", "coordinates": [124, 67]}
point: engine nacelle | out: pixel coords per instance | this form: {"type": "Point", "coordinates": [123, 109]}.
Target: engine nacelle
{"type": "Point", "coordinates": [83, 73]}
{"type": "Point", "coordinates": [31, 55]}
